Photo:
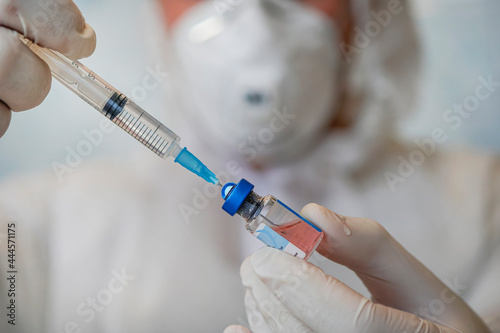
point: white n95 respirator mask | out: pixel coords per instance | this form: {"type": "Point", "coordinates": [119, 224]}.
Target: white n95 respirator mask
{"type": "Point", "coordinates": [258, 77]}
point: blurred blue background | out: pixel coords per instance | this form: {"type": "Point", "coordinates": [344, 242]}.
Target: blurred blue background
{"type": "Point", "coordinates": [459, 43]}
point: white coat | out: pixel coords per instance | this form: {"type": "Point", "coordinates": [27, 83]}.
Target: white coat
{"type": "Point", "coordinates": [139, 244]}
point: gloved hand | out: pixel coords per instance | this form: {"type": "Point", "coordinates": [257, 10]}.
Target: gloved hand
{"type": "Point", "coordinates": [286, 294]}
{"type": "Point", "coordinates": [24, 78]}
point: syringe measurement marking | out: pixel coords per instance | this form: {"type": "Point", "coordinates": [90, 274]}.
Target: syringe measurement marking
{"type": "Point", "coordinates": [150, 133]}
{"type": "Point", "coordinates": [141, 136]}
{"type": "Point", "coordinates": [129, 121]}
{"type": "Point", "coordinates": [154, 144]}
{"type": "Point", "coordinates": [159, 144]}
{"type": "Point", "coordinates": [146, 136]}
{"type": "Point", "coordinates": [143, 127]}
{"type": "Point", "coordinates": [157, 147]}
{"type": "Point", "coordinates": [155, 130]}
{"type": "Point", "coordinates": [157, 136]}
{"type": "Point", "coordinates": [137, 130]}
{"type": "Point", "coordinates": [166, 143]}
{"type": "Point", "coordinates": [148, 140]}
{"type": "Point", "coordinates": [131, 125]}
{"type": "Point", "coordinates": [123, 120]}
{"type": "Point", "coordinates": [138, 119]}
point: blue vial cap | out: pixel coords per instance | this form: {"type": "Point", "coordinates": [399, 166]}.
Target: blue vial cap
{"type": "Point", "coordinates": [235, 195]}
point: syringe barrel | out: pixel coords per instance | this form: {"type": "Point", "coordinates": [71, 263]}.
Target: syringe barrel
{"type": "Point", "coordinates": [110, 102]}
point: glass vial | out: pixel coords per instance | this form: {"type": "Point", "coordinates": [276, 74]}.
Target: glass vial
{"type": "Point", "coordinates": [271, 221]}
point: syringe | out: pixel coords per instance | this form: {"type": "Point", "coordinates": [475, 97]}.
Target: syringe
{"type": "Point", "coordinates": [120, 110]}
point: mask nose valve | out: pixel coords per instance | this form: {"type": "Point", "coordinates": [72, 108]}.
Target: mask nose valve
{"type": "Point", "coordinates": [254, 98]}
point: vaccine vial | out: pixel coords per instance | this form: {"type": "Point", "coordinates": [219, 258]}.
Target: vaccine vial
{"type": "Point", "coordinates": [271, 221]}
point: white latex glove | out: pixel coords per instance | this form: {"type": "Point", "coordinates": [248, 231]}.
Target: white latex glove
{"type": "Point", "coordinates": [24, 78]}
{"type": "Point", "coordinates": [286, 294]}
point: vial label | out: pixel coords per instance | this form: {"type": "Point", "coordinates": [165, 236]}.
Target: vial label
{"type": "Point", "coordinates": [273, 239]}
